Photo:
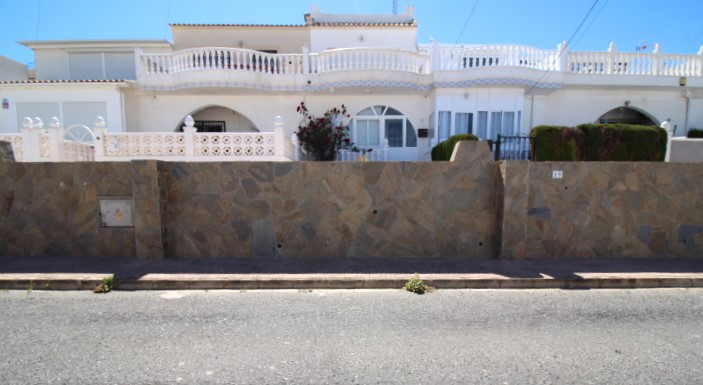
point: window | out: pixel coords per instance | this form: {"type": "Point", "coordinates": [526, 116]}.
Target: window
{"type": "Point", "coordinates": [464, 123]}
{"type": "Point", "coordinates": [496, 124]}
{"type": "Point", "coordinates": [445, 124]}
{"type": "Point", "coordinates": [483, 125]}
{"type": "Point", "coordinates": [101, 65]}
{"type": "Point", "coordinates": [508, 123]}
{"type": "Point", "coordinates": [367, 125]}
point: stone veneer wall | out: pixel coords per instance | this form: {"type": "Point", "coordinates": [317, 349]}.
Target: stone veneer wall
{"type": "Point", "coordinates": [52, 209]}
{"type": "Point", "coordinates": [614, 209]}
{"type": "Point", "coordinates": [471, 207]}
{"type": "Point", "coordinates": [320, 209]}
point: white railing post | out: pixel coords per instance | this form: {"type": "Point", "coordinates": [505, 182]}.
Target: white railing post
{"type": "Point", "coordinates": [385, 150]}
{"type": "Point", "coordinates": [306, 60]}
{"type": "Point", "coordinates": [296, 146]}
{"type": "Point", "coordinates": [189, 135]}
{"type": "Point", "coordinates": [279, 138]}
{"type": "Point", "coordinates": [138, 52]}
{"type": "Point", "coordinates": [56, 132]}
{"type": "Point", "coordinates": [658, 65]}
{"type": "Point", "coordinates": [699, 62]}
{"type": "Point", "coordinates": [99, 131]}
{"type": "Point", "coordinates": [610, 61]}
{"type": "Point", "coordinates": [435, 57]}
{"type": "Point", "coordinates": [30, 144]}
{"type": "Point", "coordinates": [562, 54]}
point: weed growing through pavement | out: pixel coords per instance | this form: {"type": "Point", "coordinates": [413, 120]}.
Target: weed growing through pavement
{"type": "Point", "coordinates": [30, 287]}
{"type": "Point", "coordinates": [105, 286]}
{"type": "Point", "coordinates": [417, 286]}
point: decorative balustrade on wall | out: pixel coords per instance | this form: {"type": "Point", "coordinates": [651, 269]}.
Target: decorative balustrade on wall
{"type": "Point", "coordinates": [423, 61]}
{"type": "Point", "coordinates": [225, 59]}
{"type": "Point", "coordinates": [463, 58]}
{"type": "Point", "coordinates": [55, 144]}
{"type": "Point", "coordinates": [369, 59]}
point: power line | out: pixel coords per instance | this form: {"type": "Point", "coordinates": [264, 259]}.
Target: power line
{"type": "Point", "coordinates": [567, 44]}
{"type": "Point", "coordinates": [694, 41]}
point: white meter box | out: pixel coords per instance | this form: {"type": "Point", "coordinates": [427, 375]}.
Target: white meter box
{"type": "Point", "coordinates": [116, 213]}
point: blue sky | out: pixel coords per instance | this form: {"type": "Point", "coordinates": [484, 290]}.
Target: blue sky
{"type": "Point", "coordinates": [676, 24]}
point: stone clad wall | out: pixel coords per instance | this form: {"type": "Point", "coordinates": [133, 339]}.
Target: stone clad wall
{"type": "Point", "coordinates": [613, 209]}
{"type": "Point", "coordinates": [316, 209]}
{"type": "Point", "coordinates": [471, 207]}
{"type": "Point", "coordinates": [52, 209]}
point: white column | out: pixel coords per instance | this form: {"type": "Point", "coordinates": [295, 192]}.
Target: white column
{"type": "Point", "coordinates": [29, 145]}
{"type": "Point", "coordinates": [657, 65]}
{"type": "Point", "coordinates": [562, 54]}
{"type": "Point", "coordinates": [700, 62]}
{"type": "Point", "coordinates": [99, 131]}
{"type": "Point", "coordinates": [296, 146]}
{"type": "Point", "coordinates": [306, 60]}
{"type": "Point", "coordinates": [56, 132]}
{"type": "Point", "coordinates": [279, 138]}
{"type": "Point", "coordinates": [385, 150]}
{"type": "Point", "coordinates": [610, 61]}
{"type": "Point", "coordinates": [189, 136]}
{"type": "Point", "coordinates": [138, 52]}
{"type": "Point", "coordinates": [436, 57]}
{"type": "Point", "coordinates": [669, 134]}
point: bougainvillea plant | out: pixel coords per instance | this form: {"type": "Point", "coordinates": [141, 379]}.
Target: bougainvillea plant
{"type": "Point", "coordinates": [322, 137]}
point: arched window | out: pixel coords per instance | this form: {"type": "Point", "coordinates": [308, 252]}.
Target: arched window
{"type": "Point", "coordinates": [374, 124]}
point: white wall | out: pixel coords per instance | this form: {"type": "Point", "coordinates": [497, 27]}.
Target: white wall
{"type": "Point", "coordinates": [324, 38]}
{"type": "Point", "coordinates": [80, 100]}
{"type": "Point", "coordinates": [12, 70]}
{"type": "Point", "coordinates": [576, 106]}
{"type": "Point", "coordinates": [281, 39]}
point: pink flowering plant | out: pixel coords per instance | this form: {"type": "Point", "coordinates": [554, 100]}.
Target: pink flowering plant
{"type": "Point", "coordinates": [322, 137]}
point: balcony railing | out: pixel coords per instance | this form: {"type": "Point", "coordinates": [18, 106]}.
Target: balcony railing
{"type": "Point", "coordinates": [212, 64]}
{"type": "Point", "coordinates": [369, 59]}
{"type": "Point", "coordinates": [467, 58]}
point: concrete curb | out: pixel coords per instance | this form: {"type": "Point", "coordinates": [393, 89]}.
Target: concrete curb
{"type": "Point", "coordinates": [320, 281]}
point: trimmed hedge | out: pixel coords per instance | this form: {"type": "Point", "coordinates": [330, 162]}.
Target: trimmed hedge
{"type": "Point", "coordinates": [624, 142]}
{"type": "Point", "coordinates": [600, 142]}
{"type": "Point", "coordinates": [443, 150]}
{"type": "Point", "coordinates": [695, 133]}
{"type": "Point", "coordinates": [557, 143]}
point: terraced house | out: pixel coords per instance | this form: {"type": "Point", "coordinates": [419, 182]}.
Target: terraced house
{"type": "Point", "coordinates": [239, 85]}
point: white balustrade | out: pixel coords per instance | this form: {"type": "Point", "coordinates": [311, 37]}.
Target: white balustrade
{"type": "Point", "coordinates": [464, 58]}
{"type": "Point", "coordinates": [208, 59]}
{"type": "Point", "coordinates": [633, 63]}
{"type": "Point", "coordinates": [369, 59]}
{"type": "Point", "coordinates": [422, 61]}
{"type": "Point", "coordinates": [17, 142]}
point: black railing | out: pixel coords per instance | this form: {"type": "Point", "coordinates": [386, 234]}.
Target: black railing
{"type": "Point", "coordinates": [514, 148]}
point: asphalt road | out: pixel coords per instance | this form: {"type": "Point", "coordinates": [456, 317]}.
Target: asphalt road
{"type": "Point", "coordinates": [365, 337]}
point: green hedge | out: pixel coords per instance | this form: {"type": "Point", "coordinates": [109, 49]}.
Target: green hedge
{"type": "Point", "coordinates": [695, 133]}
{"type": "Point", "coordinates": [600, 142]}
{"type": "Point", "coordinates": [557, 143]}
{"type": "Point", "coordinates": [443, 150]}
{"type": "Point", "coordinates": [624, 142]}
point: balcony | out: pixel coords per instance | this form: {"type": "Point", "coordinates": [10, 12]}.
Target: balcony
{"type": "Point", "coordinates": [429, 66]}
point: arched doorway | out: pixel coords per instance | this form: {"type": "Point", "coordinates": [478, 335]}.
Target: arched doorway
{"type": "Point", "coordinates": [220, 119]}
{"type": "Point", "coordinates": [627, 115]}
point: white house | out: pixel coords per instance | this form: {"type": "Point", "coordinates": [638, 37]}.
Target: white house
{"type": "Point", "coordinates": [239, 78]}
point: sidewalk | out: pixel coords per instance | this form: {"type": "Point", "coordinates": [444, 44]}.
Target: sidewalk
{"type": "Point", "coordinates": [62, 273]}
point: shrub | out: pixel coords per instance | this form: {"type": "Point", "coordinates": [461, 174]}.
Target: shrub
{"type": "Point", "coordinates": [444, 149]}
{"type": "Point", "coordinates": [624, 142]}
{"type": "Point", "coordinates": [557, 143]}
{"type": "Point", "coordinates": [323, 136]}
{"type": "Point", "coordinates": [695, 133]}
